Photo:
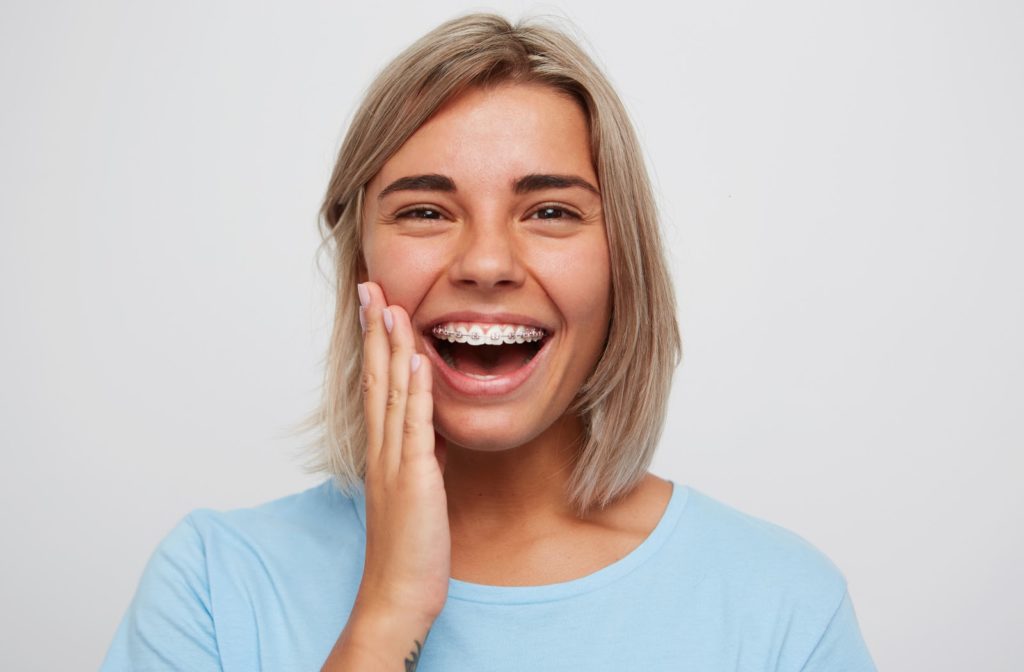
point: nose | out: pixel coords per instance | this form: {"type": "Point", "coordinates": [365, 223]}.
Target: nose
{"type": "Point", "coordinates": [488, 256]}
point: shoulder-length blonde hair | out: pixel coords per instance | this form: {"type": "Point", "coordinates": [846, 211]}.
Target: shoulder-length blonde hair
{"type": "Point", "coordinates": [623, 403]}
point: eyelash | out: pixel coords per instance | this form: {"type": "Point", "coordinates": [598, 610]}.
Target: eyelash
{"type": "Point", "coordinates": [405, 214]}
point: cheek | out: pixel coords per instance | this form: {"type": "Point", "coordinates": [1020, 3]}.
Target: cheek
{"type": "Point", "coordinates": [404, 268]}
{"type": "Point", "coordinates": [579, 282]}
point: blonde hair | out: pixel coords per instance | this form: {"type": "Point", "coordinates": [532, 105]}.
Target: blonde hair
{"type": "Point", "coordinates": [624, 401]}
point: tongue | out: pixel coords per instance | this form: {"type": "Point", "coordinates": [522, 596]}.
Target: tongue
{"type": "Point", "coordinates": [490, 360]}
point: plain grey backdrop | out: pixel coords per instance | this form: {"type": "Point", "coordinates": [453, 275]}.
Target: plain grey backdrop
{"type": "Point", "coordinates": [841, 190]}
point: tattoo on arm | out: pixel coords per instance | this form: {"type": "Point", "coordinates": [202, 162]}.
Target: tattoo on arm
{"type": "Point", "coordinates": [414, 659]}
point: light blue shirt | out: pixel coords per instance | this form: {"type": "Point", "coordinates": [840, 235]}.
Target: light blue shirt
{"type": "Point", "coordinates": [711, 588]}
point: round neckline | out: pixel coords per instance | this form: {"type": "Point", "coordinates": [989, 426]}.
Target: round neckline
{"type": "Point", "coordinates": [479, 592]}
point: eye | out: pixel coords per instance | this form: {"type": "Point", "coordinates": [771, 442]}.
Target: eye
{"type": "Point", "coordinates": [554, 212]}
{"type": "Point", "coordinates": [420, 213]}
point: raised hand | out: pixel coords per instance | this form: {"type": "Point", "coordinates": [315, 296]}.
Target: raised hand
{"type": "Point", "coordinates": [408, 541]}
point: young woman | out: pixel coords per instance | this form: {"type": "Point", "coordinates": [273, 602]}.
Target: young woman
{"type": "Point", "coordinates": [491, 409]}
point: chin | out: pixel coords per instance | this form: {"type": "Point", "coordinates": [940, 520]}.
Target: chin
{"type": "Point", "coordinates": [485, 432]}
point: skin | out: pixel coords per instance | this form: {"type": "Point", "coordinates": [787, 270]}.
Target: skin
{"type": "Point", "coordinates": [544, 254]}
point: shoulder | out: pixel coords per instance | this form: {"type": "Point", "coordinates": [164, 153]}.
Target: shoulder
{"type": "Point", "coordinates": [203, 575]}
{"type": "Point", "coordinates": [757, 560]}
{"type": "Point", "coordinates": [746, 544]}
{"type": "Point", "coordinates": [206, 537]}
{"type": "Point", "coordinates": [318, 515]}
{"type": "Point", "coordinates": [771, 584]}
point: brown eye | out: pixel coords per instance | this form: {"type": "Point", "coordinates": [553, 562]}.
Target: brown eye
{"type": "Point", "coordinates": [419, 213]}
{"type": "Point", "coordinates": [554, 212]}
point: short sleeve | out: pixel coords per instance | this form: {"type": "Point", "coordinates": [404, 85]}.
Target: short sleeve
{"type": "Point", "coordinates": [169, 624]}
{"type": "Point", "coordinates": [841, 647]}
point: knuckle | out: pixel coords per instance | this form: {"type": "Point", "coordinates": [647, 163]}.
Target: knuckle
{"type": "Point", "coordinates": [369, 381]}
{"type": "Point", "coordinates": [413, 426]}
{"type": "Point", "coordinates": [394, 397]}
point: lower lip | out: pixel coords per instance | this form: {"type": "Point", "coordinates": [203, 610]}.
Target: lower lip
{"type": "Point", "coordinates": [492, 386]}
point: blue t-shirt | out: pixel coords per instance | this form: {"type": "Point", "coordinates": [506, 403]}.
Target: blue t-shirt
{"type": "Point", "coordinates": [711, 588]}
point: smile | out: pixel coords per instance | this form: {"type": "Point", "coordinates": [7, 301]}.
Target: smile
{"type": "Point", "coordinates": [485, 359]}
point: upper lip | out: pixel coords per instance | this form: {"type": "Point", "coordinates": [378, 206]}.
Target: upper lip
{"type": "Point", "coordinates": [487, 318]}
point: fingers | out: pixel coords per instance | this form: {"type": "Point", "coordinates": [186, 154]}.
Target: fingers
{"type": "Point", "coordinates": [398, 402]}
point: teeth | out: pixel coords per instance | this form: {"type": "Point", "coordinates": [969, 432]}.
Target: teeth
{"type": "Point", "coordinates": [487, 334]}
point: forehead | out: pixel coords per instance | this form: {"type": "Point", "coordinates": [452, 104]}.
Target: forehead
{"type": "Point", "coordinates": [494, 135]}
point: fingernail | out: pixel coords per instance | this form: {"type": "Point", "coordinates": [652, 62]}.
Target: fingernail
{"type": "Point", "coordinates": [362, 318]}
{"type": "Point", "coordinates": [389, 320]}
{"type": "Point", "coordinates": [364, 295]}
{"type": "Point", "coordinates": [414, 363]}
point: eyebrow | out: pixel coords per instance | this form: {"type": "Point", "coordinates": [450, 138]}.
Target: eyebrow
{"type": "Point", "coordinates": [525, 184]}
{"type": "Point", "coordinates": [431, 182]}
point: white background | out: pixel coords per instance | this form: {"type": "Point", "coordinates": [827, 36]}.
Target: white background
{"type": "Point", "coordinates": [841, 189]}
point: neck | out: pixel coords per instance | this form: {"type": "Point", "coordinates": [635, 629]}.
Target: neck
{"type": "Point", "coordinates": [520, 488]}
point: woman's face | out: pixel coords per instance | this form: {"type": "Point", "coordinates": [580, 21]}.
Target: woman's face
{"type": "Point", "coordinates": [502, 217]}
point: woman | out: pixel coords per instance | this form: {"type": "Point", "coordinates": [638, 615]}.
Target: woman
{"type": "Point", "coordinates": [490, 412]}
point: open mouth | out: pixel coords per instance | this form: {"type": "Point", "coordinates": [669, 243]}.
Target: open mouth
{"type": "Point", "coordinates": [479, 356]}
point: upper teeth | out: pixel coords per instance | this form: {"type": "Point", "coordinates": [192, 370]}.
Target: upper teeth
{"type": "Point", "coordinates": [486, 334]}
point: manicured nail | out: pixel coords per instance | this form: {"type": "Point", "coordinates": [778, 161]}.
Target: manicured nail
{"type": "Point", "coordinates": [364, 295]}
{"type": "Point", "coordinates": [362, 318]}
{"type": "Point", "coordinates": [389, 320]}
{"type": "Point", "coordinates": [414, 363]}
